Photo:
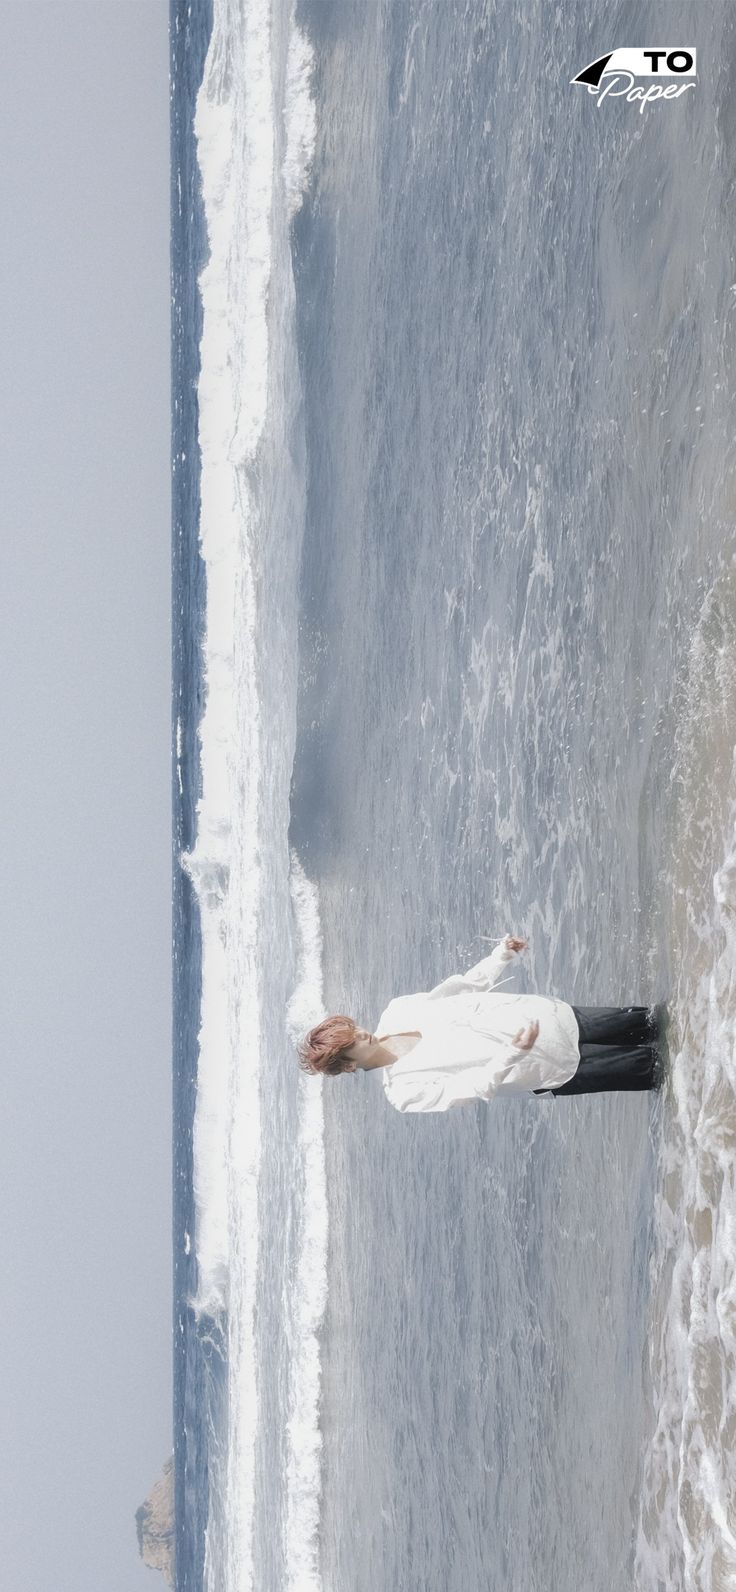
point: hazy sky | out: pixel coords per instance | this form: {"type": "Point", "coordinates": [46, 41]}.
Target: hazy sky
{"type": "Point", "coordinates": [85, 1153]}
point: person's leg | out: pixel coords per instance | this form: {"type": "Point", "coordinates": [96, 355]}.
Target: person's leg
{"type": "Point", "coordinates": [605, 1067]}
{"type": "Point", "coordinates": [616, 1025]}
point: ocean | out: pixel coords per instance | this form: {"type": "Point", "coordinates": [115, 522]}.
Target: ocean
{"type": "Point", "coordinates": [454, 576]}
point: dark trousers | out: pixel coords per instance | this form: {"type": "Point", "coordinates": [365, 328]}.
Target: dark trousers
{"type": "Point", "coordinates": [617, 1050]}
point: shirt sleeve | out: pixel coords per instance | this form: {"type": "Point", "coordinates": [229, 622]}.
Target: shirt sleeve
{"type": "Point", "coordinates": [395, 1015]}
{"type": "Point", "coordinates": [484, 975]}
{"type": "Point", "coordinates": [435, 1093]}
{"type": "Point", "coordinates": [440, 1092]}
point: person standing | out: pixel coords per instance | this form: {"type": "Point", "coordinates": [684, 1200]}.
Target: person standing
{"type": "Point", "coordinates": [465, 1040]}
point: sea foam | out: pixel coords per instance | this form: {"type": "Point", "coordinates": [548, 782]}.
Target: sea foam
{"type": "Point", "coordinates": [686, 1538]}
{"type": "Point", "coordinates": [305, 1008]}
{"type": "Point", "coordinates": [248, 199]}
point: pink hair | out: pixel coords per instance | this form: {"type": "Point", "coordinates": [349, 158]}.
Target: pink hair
{"type": "Point", "coordinates": [321, 1050]}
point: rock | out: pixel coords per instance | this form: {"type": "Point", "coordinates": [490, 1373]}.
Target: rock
{"type": "Point", "coordinates": [155, 1523]}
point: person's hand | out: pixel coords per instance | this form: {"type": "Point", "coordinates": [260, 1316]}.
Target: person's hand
{"type": "Point", "coordinates": [527, 1036]}
{"type": "Point", "coordinates": [515, 944]}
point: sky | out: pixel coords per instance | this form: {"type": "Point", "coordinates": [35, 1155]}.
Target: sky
{"type": "Point", "coordinates": [85, 1083]}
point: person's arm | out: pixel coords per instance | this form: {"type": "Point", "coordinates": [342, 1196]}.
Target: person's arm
{"type": "Point", "coordinates": [443, 1092]}
{"type": "Point", "coordinates": [527, 1036]}
{"type": "Point", "coordinates": [436, 1092]}
{"type": "Point", "coordinates": [485, 974]}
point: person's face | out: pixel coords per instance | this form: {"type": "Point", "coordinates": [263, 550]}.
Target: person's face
{"type": "Point", "coordinates": [360, 1051]}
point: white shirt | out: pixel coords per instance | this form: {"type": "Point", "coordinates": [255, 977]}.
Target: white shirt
{"type": "Point", "coordinates": [466, 1050]}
